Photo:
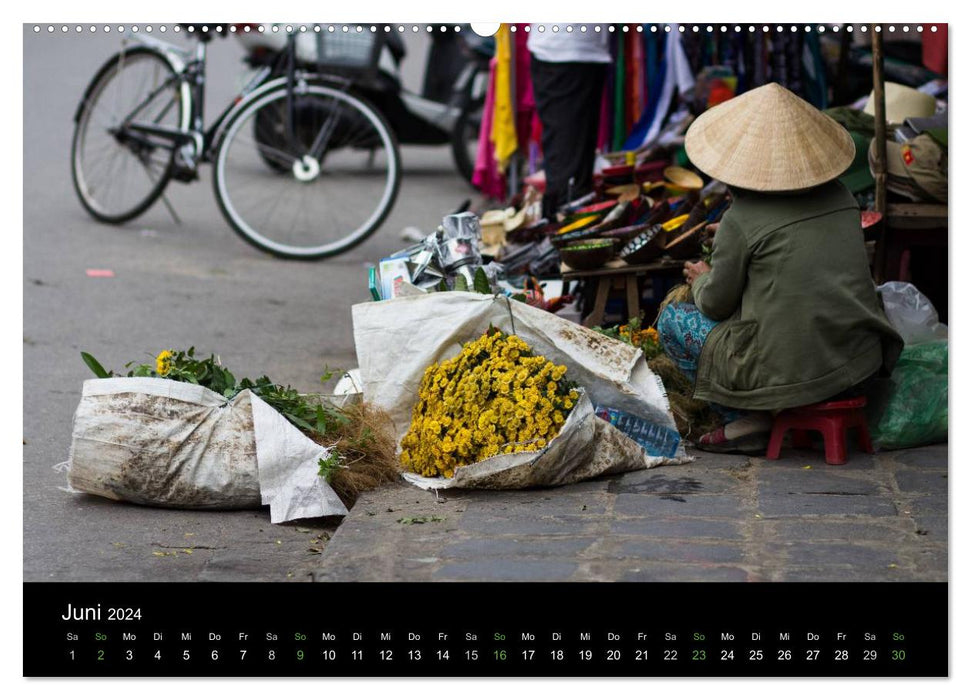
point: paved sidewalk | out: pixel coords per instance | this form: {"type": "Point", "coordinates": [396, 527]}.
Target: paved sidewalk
{"type": "Point", "coordinates": [719, 518]}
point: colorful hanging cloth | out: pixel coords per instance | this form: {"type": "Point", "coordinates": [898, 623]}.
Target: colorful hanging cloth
{"type": "Point", "coordinates": [504, 118]}
{"type": "Point", "coordinates": [486, 176]}
{"type": "Point", "coordinates": [675, 73]}
{"type": "Point", "coordinates": [620, 68]}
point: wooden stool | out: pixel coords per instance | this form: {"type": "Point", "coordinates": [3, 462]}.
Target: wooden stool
{"type": "Point", "coordinates": [626, 282]}
{"type": "Point", "coordinates": [832, 419]}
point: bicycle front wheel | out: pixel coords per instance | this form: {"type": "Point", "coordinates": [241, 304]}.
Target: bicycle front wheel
{"type": "Point", "coordinates": [118, 172]}
{"type": "Point", "coordinates": [335, 175]}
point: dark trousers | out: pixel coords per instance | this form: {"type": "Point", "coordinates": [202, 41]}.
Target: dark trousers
{"type": "Point", "coordinates": [568, 99]}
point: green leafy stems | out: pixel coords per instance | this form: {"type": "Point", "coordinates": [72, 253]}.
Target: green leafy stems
{"type": "Point", "coordinates": [480, 283]}
{"type": "Point", "coordinates": [307, 412]}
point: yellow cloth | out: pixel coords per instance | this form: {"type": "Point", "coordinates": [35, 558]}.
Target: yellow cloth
{"type": "Point", "coordinates": [503, 134]}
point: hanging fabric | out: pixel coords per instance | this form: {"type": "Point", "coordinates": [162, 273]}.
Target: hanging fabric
{"type": "Point", "coordinates": [677, 76]}
{"type": "Point", "coordinates": [619, 126]}
{"type": "Point", "coordinates": [486, 176]}
{"type": "Point", "coordinates": [636, 80]}
{"type": "Point", "coordinates": [603, 131]}
{"type": "Point", "coordinates": [504, 118]}
{"type": "Point", "coordinates": [525, 103]}
{"type": "Point", "coordinates": [814, 72]}
{"type": "Point", "coordinates": [934, 49]}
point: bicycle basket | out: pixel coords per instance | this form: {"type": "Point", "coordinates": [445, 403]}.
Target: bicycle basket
{"type": "Point", "coordinates": [349, 52]}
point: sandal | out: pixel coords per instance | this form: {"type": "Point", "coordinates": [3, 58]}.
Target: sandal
{"type": "Point", "coordinates": [751, 444]}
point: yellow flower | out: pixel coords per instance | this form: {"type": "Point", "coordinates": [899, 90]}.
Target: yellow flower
{"type": "Point", "coordinates": [163, 363]}
{"type": "Point", "coordinates": [495, 396]}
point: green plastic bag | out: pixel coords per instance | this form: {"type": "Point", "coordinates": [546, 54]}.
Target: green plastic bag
{"type": "Point", "coordinates": [911, 409]}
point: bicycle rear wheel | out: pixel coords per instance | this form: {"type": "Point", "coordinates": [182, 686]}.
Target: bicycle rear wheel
{"type": "Point", "coordinates": [335, 177]}
{"type": "Point", "coordinates": [118, 173]}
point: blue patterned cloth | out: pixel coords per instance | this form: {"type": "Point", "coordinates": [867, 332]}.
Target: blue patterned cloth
{"type": "Point", "coordinates": [682, 330]}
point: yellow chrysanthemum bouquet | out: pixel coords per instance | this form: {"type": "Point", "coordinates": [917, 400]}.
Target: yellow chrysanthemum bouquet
{"type": "Point", "coordinates": [495, 397]}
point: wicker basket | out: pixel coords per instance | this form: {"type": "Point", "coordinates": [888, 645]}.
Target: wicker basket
{"type": "Point", "coordinates": [348, 53]}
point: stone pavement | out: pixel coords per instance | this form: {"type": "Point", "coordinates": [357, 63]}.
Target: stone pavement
{"type": "Point", "coordinates": [719, 518]}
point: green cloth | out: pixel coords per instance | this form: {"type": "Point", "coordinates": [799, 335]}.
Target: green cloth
{"type": "Point", "coordinates": [801, 317]}
{"type": "Point", "coordinates": [853, 120]}
{"type": "Point", "coordinates": [939, 135]}
{"type": "Point", "coordinates": [858, 177]}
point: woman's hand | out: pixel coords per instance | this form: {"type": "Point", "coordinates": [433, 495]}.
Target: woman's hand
{"type": "Point", "coordinates": [692, 270]}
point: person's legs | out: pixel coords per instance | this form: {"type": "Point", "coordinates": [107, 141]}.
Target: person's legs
{"type": "Point", "coordinates": [589, 97]}
{"type": "Point", "coordinates": [682, 330]}
{"type": "Point", "coordinates": [567, 100]}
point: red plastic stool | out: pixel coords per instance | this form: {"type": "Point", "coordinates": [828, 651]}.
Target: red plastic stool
{"type": "Point", "coordinates": [831, 418]}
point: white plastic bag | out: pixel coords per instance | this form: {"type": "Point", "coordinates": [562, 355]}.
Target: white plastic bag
{"type": "Point", "coordinates": [397, 339]}
{"type": "Point", "coordinates": [173, 444]}
{"type": "Point", "coordinates": [911, 313]}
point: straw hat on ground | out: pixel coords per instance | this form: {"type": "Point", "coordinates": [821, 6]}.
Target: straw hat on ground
{"type": "Point", "coordinates": [769, 140]}
{"type": "Point", "coordinates": [902, 102]}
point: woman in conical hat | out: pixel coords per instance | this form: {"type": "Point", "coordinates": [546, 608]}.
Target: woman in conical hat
{"type": "Point", "coordinates": [787, 313]}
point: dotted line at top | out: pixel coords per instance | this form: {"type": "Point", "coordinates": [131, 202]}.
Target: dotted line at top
{"type": "Point", "coordinates": [429, 28]}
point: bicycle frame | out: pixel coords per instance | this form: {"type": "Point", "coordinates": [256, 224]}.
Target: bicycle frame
{"type": "Point", "coordinates": [190, 73]}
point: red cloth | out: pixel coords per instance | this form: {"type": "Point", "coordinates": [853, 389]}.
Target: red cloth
{"type": "Point", "coordinates": [525, 102]}
{"type": "Point", "coordinates": [486, 176]}
{"type": "Point", "coordinates": [603, 132]}
{"type": "Point", "coordinates": [636, 54]}
{"type": "Point", "coordinates": [935, 48]}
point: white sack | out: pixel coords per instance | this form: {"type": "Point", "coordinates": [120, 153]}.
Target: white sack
{"type": "Point", "coordinates": [164, 443]}
{"type": "Point", "coordinates": [397, 339]}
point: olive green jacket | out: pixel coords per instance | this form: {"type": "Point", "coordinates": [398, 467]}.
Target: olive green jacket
{"type": "Point", "coordinates": [802, 320]}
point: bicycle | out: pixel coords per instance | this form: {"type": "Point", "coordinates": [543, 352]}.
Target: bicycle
{"type": "Point", "coordinates": [303, 165]}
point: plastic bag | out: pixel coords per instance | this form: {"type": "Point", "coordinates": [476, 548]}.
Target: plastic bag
{"type": "Point", "coordinates": [164, 443]}
{"type": "Point", "coordinates": [910, 408]}
{"type": "Point", "coordinates": [397, 339]}
{"type": "Point", "coordinates": [911, 313]}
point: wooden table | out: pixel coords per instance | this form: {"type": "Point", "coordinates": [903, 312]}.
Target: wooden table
{"type": "Point", "coordinates": [618, 274]}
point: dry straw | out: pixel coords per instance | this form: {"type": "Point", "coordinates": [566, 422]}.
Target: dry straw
{"type": "Point", "coordinates": [367, 444]}
{"type": "Point", "coordinates": [693, 418]}
{"type": "Point", "coordinates": [769, 140]}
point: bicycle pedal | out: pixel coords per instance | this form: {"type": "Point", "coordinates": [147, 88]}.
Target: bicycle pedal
{"type": "Point", "coordinates": [184, 173]}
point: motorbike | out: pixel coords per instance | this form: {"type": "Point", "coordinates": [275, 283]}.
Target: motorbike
{"type": "Point", "coordinates": [448, 111]}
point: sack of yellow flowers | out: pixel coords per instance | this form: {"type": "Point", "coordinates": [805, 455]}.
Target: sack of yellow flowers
{"type": "Point", "coordinates": [495, 397]}
{"type": "Point", "coordinates": [479, 409]}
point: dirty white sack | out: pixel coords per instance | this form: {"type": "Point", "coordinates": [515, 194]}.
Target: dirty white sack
{"type": "Point", "coordinates": [398, 338]}
{"type": "Point", "coordinates": [164, 443]}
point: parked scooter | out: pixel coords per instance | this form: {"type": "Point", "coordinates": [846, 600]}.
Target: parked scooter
{"type": "Point", "coordinates": [449, 108]}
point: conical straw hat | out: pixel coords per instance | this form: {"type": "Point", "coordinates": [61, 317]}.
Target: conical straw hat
{"type": "Point", "coordinates": [769, 140]}
{"type": "Point", "coordinates": [901, 103]}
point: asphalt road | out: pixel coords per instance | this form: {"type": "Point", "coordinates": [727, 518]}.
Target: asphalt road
{"type": "Point", "coordinates": [173, 286]}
